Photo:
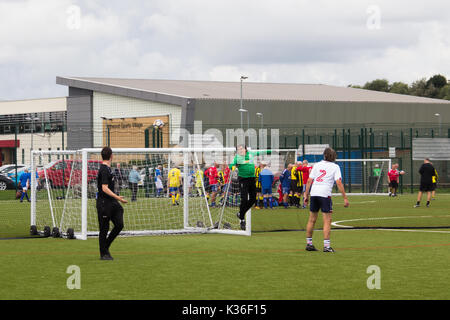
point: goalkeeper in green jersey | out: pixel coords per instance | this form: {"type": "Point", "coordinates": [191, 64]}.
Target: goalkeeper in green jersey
{"type": "Point", "coordinates": [245, 162]}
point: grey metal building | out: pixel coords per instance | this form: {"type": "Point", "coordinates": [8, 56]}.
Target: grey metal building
{"type": "Point", "coordinates": [294, 108]}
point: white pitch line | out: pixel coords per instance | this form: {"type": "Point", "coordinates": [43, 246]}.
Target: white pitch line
{"type": "Point", "coordinates": [336, 224]}
{"type": "Point", "coordinates": [372, 201]}
{"type": "Point", "coordinates": [408, 230]}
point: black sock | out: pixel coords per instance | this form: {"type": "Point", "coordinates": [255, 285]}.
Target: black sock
{"type": "Point", "coordinates": [418, 202]}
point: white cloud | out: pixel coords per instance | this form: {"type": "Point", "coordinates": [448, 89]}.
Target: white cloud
{"type": "Point", "coordinates": [321, 41]}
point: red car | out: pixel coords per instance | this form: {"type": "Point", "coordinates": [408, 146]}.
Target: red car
{"type": "Point", "coordinates": [59, 172]}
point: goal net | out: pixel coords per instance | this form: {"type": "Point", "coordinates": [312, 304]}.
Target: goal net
{"type": "Point", "coordinates": [365, 176]}
{"type": "Point", "coordinates": [65, 190]}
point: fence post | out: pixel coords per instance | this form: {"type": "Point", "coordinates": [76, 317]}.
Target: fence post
{"type": "Point", "coordinates": [411, 158]}
{"type": "Point", "coordinates": [361, 146]}
{"type": "Point", "coordinates": [400, 160]}
{"type": "Point", "coordinates": [343, 156]}
{"type": "Point", "coordinates": [349, 164]}
{"type": "Point", "coordinates": [303, 144]}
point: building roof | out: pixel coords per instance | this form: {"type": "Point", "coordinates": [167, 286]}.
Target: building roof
{"type": "Point", "coordinates": [251, 90]}
{"type": "Point", "coordinates": [33, 106]}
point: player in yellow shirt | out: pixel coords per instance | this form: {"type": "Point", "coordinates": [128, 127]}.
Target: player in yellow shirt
{"type": "Point", "coordinates": [259, 197]}
{"type": "Point", "coordinates": [434, 180]}
{"type": "Point", "coordinates": [296, 184]}
{"type": "Point", "coordinates": [199, 182]}
{"type": "Point", "coordinates": [174, 185]}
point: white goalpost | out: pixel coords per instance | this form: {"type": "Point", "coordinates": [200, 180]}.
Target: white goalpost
{"type": "Point", "coordinates": [365, 176]}
{"type": "Point", "coordinates": [64, 194]}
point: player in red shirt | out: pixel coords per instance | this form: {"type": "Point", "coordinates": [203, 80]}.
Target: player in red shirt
{"type": "Point", "coordinates": [393, 178]}
{"type": "Point", "coordinates": [213, 176]}
{"type": "Point", "coordinates": [305, 169]}
{"type": "Point", "coordinates": [280, 194]}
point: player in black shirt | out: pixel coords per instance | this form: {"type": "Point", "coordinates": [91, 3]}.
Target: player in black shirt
{"type": "Point", "coordinates": [426, 181]}
{"type": "Point", "coordinates": [108, 206]}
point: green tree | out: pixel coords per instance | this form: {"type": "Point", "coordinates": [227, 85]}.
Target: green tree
{"type": "Point", "coordinates": [418, 88]}
{"type": "Point", "coordinates": [431, 91]}
{"type": "Point", "coordinates": [399, 87]}
{"type": "Point", "coordinates": [438, 81]}
{"type": "Point", "coordinates": [444, 93]}
{"type": "Point", "coordinates": [377, 85]}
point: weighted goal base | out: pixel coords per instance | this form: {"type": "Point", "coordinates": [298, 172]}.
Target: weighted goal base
{"type": "Point", "coordinates": [80, 236]}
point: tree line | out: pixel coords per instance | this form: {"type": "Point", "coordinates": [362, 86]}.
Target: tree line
{"type": "Point", "coordinates": [436, 87]}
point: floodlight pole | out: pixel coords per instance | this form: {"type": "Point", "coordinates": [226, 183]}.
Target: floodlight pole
{"type": "Point", "coordinates": [241, 107]}
{"type": "Point", "coordinates": [440, 122]}
{"type": "Point", "coordinates": [259, 114]}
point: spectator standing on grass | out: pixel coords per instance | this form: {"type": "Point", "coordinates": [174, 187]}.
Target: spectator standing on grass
{"type": "Point", "coordinates": [426, 172]}
{"type": "Point", "coordinates": [118, 179]}
{"type": "Point", "coordinates": [134, 178]}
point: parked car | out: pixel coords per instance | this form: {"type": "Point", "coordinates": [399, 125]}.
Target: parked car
{"type": "Point", "coordinates": [8, 168]}
{"type": "Point", "coordinates": [6, 183]}
{"type": "Point", "coordinates": [59, 172]}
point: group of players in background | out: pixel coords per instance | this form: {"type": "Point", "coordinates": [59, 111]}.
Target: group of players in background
{"type": "Point", "coordinates": [219, 182]}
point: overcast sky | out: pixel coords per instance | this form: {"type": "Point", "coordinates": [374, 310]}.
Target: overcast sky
{"type": "Point", "coordinates": [316, 41]}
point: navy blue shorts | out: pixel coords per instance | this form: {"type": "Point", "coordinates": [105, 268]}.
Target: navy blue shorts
{"type": "Point", "coordinates": [321, 203]}
{"type": "Point", "coordinates": [266, 191]}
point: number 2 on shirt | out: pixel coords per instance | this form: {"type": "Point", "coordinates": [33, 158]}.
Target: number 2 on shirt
{"type": "Point", "coordinates": [319, 178]}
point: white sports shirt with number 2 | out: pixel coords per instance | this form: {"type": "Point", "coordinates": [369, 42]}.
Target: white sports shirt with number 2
{"type": "Point", "coordinates": [324, 174]}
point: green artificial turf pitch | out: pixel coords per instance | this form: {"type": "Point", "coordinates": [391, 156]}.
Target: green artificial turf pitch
{"type": "Point", "coordinates": [270, 264]}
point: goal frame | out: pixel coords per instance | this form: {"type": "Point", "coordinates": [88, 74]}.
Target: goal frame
{"type": "Point", "coordinates": [85, 152]}
{"type": "Point", "coordinates": [388, 160]}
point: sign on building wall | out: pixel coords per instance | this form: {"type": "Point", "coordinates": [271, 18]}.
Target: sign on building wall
{"type": "Point", "coordinates": [130, 132]}
{"type": "Point", "coordinates": [392, 152]}
{"type": "Point", "coordinates": [432, 148]}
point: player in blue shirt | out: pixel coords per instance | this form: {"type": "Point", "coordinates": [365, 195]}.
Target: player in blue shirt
{"type": "Point", "coordinates": [266, 180]}
{"type": "Point", "coordinates": [158, 181]}
{"type": "Point", "coordinates": [25, 181]}
{"type": "Point", "coordinates": [285, 179]}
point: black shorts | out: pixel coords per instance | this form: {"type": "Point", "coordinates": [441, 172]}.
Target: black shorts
{"type": "Point", "coordinates": [110, 209]}
{"type": "Point", "coordinates": [426, 187]}
{"type": "Point", "coordinates": [295, 188]}
{"type": "Point", "coordinates": [258, 189]}
{"type": "Point", "coordinates": [434, 185]}
{"type": "Point", "coordinates": [321, 203]}
{"type": "Point", "coordinates": [393, 184]}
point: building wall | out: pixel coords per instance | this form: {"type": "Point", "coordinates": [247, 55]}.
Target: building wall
{"type": "Point", "coordinates": [79, 122]}
{"type": "Point", "coordinates": [319, 114]}
{"type": "Point", "coordinates": [40, 141]}
{"type": "Point", "coordinates": [114, 106]}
